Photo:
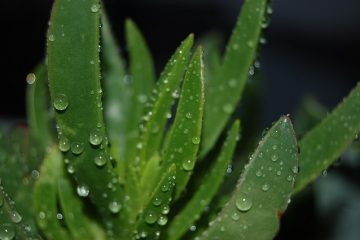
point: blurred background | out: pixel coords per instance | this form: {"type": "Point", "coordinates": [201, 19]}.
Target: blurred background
{"type": "Point", "coordinates": [312, 47]}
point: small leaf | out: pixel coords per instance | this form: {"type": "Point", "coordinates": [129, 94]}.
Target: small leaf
{"type": "Point", "coordinates": [208, 188]}
{"type": "Point", "coordinates": [224, 92]}
{"type": "Point", "coordinates": [142, 81]}
{"type": "Point", "coordinates": [322, 145]}
{"type": "Point", "coordinates": [183, 143]}
{"type": "Point", "coordinates": [154, 215]}
{"type": "Point", "coordinates": [263, 191]}
{"type": "Point", "coordinates": [148, 182]}
{"type": "Point", "coordinates": [159, 104]}
{"type": "Point", "coordinates": [37, 107]}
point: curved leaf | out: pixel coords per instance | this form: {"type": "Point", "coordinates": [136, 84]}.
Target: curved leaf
{"type": "Point", "coordinates": [183, 143]}
{"type": "Point", "coordinates": [224, 92]}
{"type": "Point", "coordinates": [263, 190]}
{"type": "Point", "coordinates": [79, 113]}
{"type": "Point", "coordinates": [322, 145]}
{"type": "Point", "coordinates": [159, 104]}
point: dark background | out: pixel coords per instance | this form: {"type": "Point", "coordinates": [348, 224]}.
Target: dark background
{"type": "Point", "coordinates": [312, 47]}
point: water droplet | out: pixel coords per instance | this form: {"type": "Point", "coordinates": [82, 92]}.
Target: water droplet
{"type": "Point", "coordinates": [274, 158]}
{"type": "Point", "coordinates": [157, 201]}
{"type": "Point", "coordinates": [95, 8]}
{"type": "Point", "coordinates": [188, 115]}
{"type": "Point", "coordinates": [258, 173]}
{"type": "Point", "coordinates": [77, 148]}
{"type": "Point", "coordinates": [295, 169]}
{"type": "Point", "coordinates": [274, 147]}
{"type": "Point", "coordinates": [187, 165]}
{"type": "Point", "coordinates": [30, 78]}
{"type": "Point", "coordinates": [7, 232]}
{"type": "Point", "coordinates": [165, 209]}
{"type": "Point", "coordinates": [114, 207]}
{"type": "Point", "coordinates": [250, 44]}
{"type": "Point", "coordinates": [70, 169]}
{"type": "Point", "coordinates": [192, 228]}
{"type": "Point", "coordinates": [235, 216]}
{"type": "Point", "coordinates": [195, 140]}
{"type": "Point", "coordinates": [243, 203]}
{"type": "Point", "coordinates": [165, 188]}
{"type": "Point", "coordinates": [15, 217]}
{"type": "Point", "coordinates": [59, 216]}
{"type": "Point", "coordinates": [227, 108]}
{"type": "Point", "coordinates": [82, 190]}
{"type": "Point", "coordinates": [61, 102]}
{"type": "Point", "coordinates": [151, 217]}
{"type": "Point", "coordinates": [64, 144]}
{"type": "Point", "coordinates": [289, 178]}
{"type": "Point", "coordinates": [95, 137]}
{"type": "Point", "coordinates": [265, 187]}
{"type": "Point", "coordinates": [51, 38]}
{"type": "Point", "coordinates": [162, 221]}
{"type": "Point", "coordinates": [100, 160]}
{"type": "Point", "coordinates": [324, 173]}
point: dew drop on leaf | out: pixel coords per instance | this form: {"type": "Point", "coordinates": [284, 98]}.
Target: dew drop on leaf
{"type": "Point", "coordinates": [195, 140]}
{"type": "Point", "coordinates": [100, 160]}
{"type": "Point", "coordinates": [83, 190]}
{"type": "Point", "coordinates": [265, 187]}
{"type": "Point", "coordinates": [162, 221]}
{"type": "Point", "coordinates": [51, 38]}
{"type": "Point", "coordinates": [188, 115]}
{"type": "Point", "coordinates": [7, 231]}
{"type": "Point", "coordinates": [64, 144]}
{"type": "Point", "coordinates": [30, 78]}
{"type": "Point", "coordinates": [235, 216]}
{"type": "Point", "coordinates": [151, 217]}
{"type": "Point", "coordinates": [157, 201]}
{"type": "Point", "coordinates": [77, 148]}
{"type": "Point", "coordinates": [114, 207]}
{"type": "Point", "coordinates": [95, 8]}
{"type": "Point", "coordinates": [61, 102]}
{"type": "Point", "coordinates": [244, 204]}
{"type": "Point", "coordinates": [165, 209]}
{"type": "Point", "coordinates": [187, 165]}
{"type": "Point", "coordinates": [95, 137]}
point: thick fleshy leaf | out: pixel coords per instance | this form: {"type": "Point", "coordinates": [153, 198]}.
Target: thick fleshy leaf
{"type": "Point", "coordinates": [142, 80]}
{"type": "Point", "coordinates": [161, 101]}
{"type": "Point", "coordinates": [322, 145]}
{"type": "Point", "coordinates": [37, 107]}
{"type": "Point", "coordinates": [154, 214]}
{"type": "Point", "coordinates": [209, 186]}
{"type": "Point", "coordinates": [263, 191]}
{"type": "Point", "coordinates": [183, 143]}
{"type": "Point", "coordinates": [224, 92]}
{"type": "Point", "coordinates": [74, 81]}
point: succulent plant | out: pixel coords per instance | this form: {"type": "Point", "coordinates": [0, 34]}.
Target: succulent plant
{"type": "Point", "coordinates": [113, 153]}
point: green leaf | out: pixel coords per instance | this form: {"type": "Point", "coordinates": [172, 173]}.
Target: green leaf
{"type": "Point", "coordinates": [322, 145]}
{"type": "Point", "coordinates": [224, 92]}
{"type": "Point", "coordinates": [72, 209]}
{"type": "Point", "coordinates": [142, 81]}
{"type": "Point", "coordinates": [79, 113]}
{"type": "Point", "coordinates": [11, 221]}
{"type": "Point", "coordinates": [116, 91]}
{"type": "Point", "coordinates": [183, 143]}
{"type": "Point", "coordinates": [159, 104]}
{"type": "Point", "coordinates": [154, 214]}
{"type": "Point", "coordinates": [148, 182]}
{"type": "Point", "coordinates": [37, 107]}
{"type": "Point", "coordinates": [45, 197]}
{"type": "Point", "coordinates": [209, 186]}
{"type": "Point", "coordinates": [263, 191]}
